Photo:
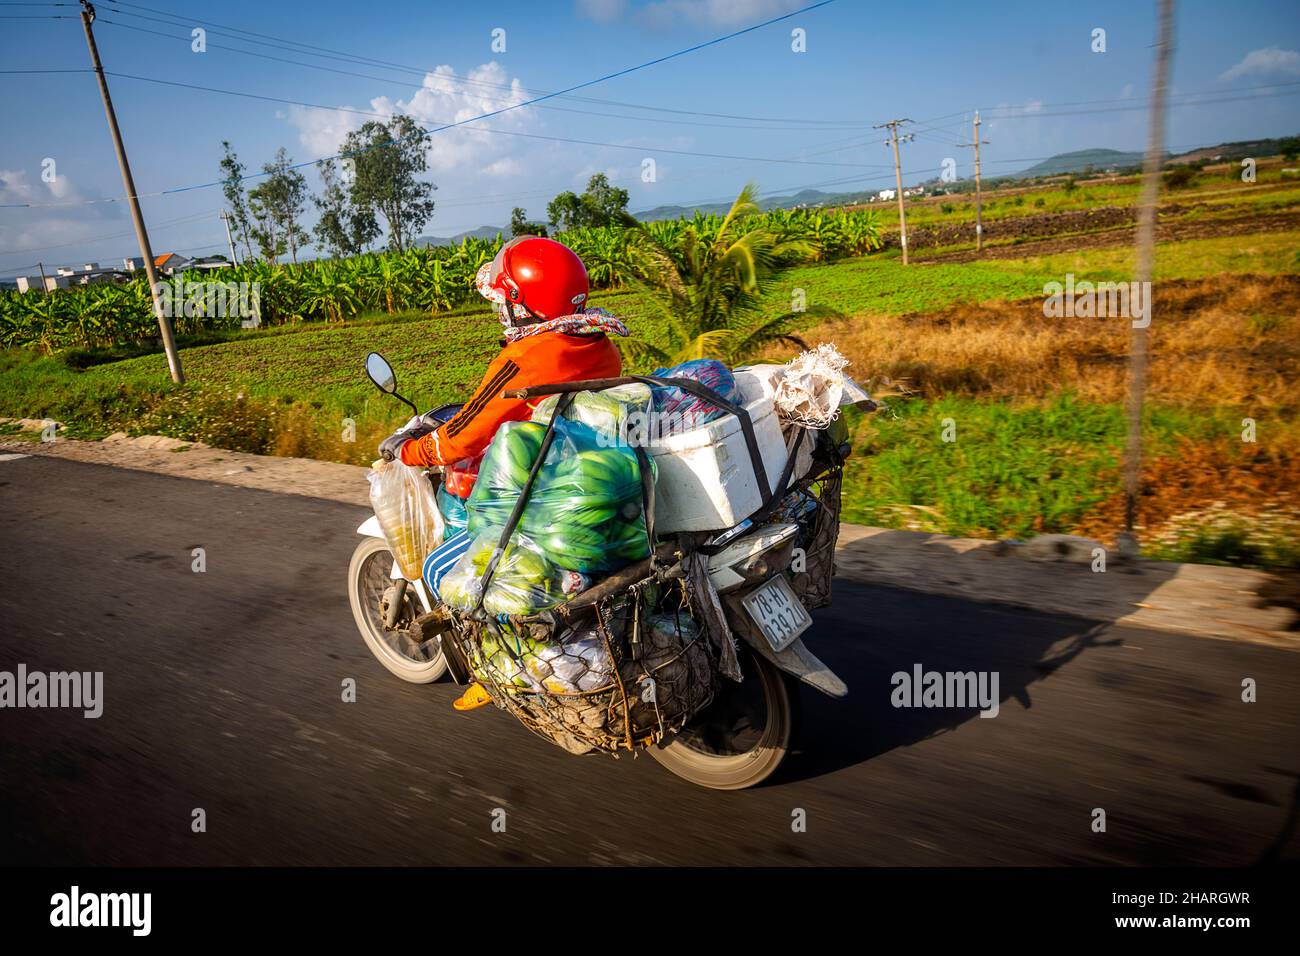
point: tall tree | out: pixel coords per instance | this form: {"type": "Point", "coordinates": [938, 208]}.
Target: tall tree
{"type": "Point", "coordinates": [520, 226]}
{"type": "Point", "coordinates": [232, 186]}
{"type": "Point", "coordinates": [386, 159]}
{"type": "Point", "coordinates": [605, 204]}
{"type": "Point", "coordinates": [343, 229]}
{"type": "Point", "coordinates": [565, 211]}
{"type": "Point", "coordinates": [278, 203]}
{"type": "Point", "coordinates": [601, 204]}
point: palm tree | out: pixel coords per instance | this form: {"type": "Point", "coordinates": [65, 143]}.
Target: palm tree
{"type": "Point", "coordinates": [706, 280]}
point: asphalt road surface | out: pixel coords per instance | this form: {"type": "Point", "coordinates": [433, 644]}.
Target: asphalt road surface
{"type": "Point", "coordinates": [223, 692]}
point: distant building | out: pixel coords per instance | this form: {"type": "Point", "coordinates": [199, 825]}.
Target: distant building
{"type": "Point", "coordinates": [886, 194]}
{"type": "Point", "coordinates": [89, 273]}
{"type": "Point", "coordinates": [169, 263]}
{"type": "Point", "coordinates": [208, 262]}
{"type": "Point", "coordinates": [37, 283]}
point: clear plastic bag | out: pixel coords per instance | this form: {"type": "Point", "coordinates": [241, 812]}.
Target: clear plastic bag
{"type": "Point", "coordinates": [577, 663]}
{"type": "Point", "coordinates": [585, 510]}
{"type": "Point", "coordinates": [407, 509]}
{"type": "Point", "coordinates": [609, 411]}
{"type": "Point", "coordinates": [524, 581]}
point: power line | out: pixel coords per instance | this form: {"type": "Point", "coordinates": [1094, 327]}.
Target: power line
{"type": "Point", "coordinates": [115, 235]}
{"type": "Point", "coordinates": [452, 78]}
{"type": "Point", "coordinates": [483, 129]}
{"type": "Point", "coordinates": [420, 71]}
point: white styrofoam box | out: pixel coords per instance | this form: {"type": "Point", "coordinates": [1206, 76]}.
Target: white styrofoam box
{"type": "Point", "coordinates": [706, 480]}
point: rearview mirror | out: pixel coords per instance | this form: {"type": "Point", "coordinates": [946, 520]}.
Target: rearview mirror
{"type": "Point", "coordinates": [381, 373]}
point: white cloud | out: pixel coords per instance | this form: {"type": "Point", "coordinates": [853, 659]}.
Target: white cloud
{"type": "Point", "coordinates": [602, 11]}
{"type": "Point", "coordinates": [442, 98]}
{"type": "Point", "coordinates": [727, 13]}
{"type": "Point", "coordinates": [1270, 61]}
{"type": "Point", "coordinates": [48, 230]}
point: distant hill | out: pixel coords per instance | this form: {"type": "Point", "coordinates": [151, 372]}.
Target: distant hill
{"type": "Point", "coordinates": [1250, 147]}
{"type": "Point", "coordinates": [805, 197]}
{"type": "Point", "coordinates": [482, 232]}
{"type": "Point", "coordinates": [1081, 160]}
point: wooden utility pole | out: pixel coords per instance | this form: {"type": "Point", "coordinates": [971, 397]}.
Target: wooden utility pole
{"type": "Point", "coordinates": [1146, 237]}
{"type": "Point", "coordinates": [151, 272]}
{"type": "Point", "coordinates": [225, 217]}
{"type": "Point", "coordinates": [979, 199]}
{"type": "Point", "coordinates": [893, 125]}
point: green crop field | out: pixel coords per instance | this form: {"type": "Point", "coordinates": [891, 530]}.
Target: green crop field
{"type": "Point", "coordinates": [1044, 459]}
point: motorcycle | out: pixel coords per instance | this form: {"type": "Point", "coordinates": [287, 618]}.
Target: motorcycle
{"type": "Point", "coordinates": [763, 577]}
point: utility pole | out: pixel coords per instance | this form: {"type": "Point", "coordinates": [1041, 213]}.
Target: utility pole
{"type": "Point", "coordinates": [151, 272]}
{"type": "Point", "coordinates": [1146, 236]}
{"type": "Point", "coordinates": [45, 283]}
{"type": "Point", "coordinates": [893, 125]}
{"type": "Point", "coordinates": [225, 217]}
{"type": "Point", "coordinates": [979, 199]}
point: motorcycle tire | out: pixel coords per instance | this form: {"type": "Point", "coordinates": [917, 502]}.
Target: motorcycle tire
{"type": "Point", "coordinates": [368, 582]}
{"type": "Point", "coordinates": [705, 753]}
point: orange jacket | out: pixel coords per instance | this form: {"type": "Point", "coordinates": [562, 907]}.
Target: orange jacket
{"type": "Point", "coordinates": [546, 358]}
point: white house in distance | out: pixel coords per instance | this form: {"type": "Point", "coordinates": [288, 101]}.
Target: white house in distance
{"type": "Point", "coordinates": [169, 263]}
{"type": "Point", "coordinates": [37, 283]}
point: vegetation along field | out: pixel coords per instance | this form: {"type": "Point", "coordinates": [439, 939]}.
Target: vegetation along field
{"type": "Point", "coordinates": [955, 340]}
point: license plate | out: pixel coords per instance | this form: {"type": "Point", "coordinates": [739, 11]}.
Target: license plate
{"type": "Point", "coordinates": [779, 614]}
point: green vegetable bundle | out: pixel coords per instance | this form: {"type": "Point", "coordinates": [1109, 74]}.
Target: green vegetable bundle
{"type": "Point", "coordinates": [524, 581]}
{"type": "Point", "coordinates": [584, 513]}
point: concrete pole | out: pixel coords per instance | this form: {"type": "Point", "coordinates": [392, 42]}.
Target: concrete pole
{"type": "Point", "coordinates": [164, 324]}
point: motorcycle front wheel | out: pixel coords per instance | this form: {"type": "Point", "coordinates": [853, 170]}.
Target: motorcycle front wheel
{"type": "Point", "coordinates": [370, 588]}
{"type": "Point", "coordinates": [742, 737]}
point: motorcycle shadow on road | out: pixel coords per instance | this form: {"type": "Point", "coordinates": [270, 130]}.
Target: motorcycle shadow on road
{"type": "Point", "coordinates": [871, 633]}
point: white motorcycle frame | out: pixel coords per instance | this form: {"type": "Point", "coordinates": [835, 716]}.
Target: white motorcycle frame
{"type": "Point", "coordinates": [370, 528]}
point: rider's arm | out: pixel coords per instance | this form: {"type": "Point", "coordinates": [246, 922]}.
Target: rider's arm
{"type": "Point", "coordinates": [472, 428]}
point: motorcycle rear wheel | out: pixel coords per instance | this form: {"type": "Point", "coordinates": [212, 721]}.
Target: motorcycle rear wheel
{"type": "Point", "coordinates": [368, 583]}
{"type": "Point", "coordinates": [743, 736]}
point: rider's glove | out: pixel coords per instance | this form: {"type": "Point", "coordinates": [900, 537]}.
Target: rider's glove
{"type": "Point", "coordinates": [391, 447]}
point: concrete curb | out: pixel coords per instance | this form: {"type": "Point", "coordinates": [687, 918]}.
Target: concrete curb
{"type": "Point", "coordinates": [1259, 607]}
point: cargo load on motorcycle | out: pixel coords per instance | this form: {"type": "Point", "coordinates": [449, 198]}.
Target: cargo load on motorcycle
{"type": "Point", "coordinates": [632, 537]}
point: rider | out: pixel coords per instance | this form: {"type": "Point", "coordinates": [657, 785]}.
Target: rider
{"type": "Point", "coordinates": [539, 287]}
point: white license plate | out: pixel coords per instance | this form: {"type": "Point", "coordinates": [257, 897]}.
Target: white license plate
{"type": "Point", "coordinates": [779, 614]}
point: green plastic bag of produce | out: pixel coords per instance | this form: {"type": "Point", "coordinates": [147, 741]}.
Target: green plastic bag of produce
{"type": "Point", "coordinates": [524, 581]}
{"type": "Point", "coordinates": [584, 512]}
{"type": "Point", "coordinates": [609, 411]}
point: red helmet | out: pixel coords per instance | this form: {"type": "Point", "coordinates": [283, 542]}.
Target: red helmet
{"type": "Point", "coordinates": [542, 278]}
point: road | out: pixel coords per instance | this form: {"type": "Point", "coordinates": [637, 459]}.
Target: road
{"type": "Point", "coordinates": [223, 693]}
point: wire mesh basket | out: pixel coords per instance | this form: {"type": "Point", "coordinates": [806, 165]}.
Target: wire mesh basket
{"type": "Point", "coordinates": [821, 530]}
{"type": "Point", "coordinates": [624, 674]}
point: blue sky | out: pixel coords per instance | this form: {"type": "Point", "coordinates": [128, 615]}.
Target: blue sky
{"type": "Point", "coordinates": [864, 63]}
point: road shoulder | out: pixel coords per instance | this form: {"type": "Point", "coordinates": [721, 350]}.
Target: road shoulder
{"type": "Point", "coordinates": [1261, 607]}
